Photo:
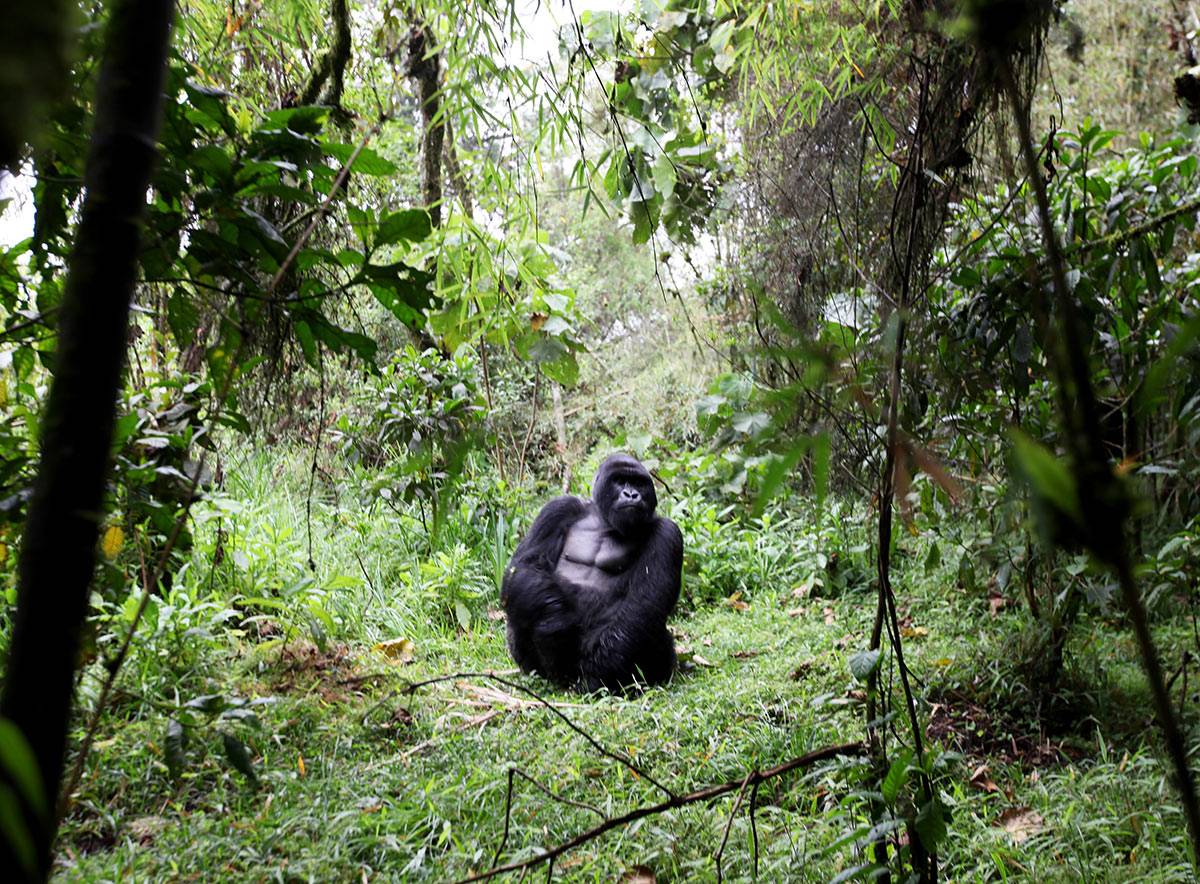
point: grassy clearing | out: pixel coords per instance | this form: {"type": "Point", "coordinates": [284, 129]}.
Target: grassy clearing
{"type": "Point", "coordinates": [357, 779]}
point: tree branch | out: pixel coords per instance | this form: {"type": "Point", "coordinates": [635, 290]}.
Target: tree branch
{"type": "Point", "coordinates": [708, 792]}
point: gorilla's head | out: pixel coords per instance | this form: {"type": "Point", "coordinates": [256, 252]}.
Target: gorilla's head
{"type": "Point", "coordinates": [624, 493]}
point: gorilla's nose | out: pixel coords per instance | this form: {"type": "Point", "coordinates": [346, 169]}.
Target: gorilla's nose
{"type": "Point", "coordinates": [630, 494]}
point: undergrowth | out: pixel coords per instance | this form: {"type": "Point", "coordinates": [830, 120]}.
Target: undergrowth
{"type": "Point", "coordinates": [346, 775]}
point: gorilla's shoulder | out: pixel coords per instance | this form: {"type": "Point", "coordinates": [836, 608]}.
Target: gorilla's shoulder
{"type": "Point", "coordinates": [668, 532]}
{"type": "Point", "coordinates": [559, 512]}
{"type": "Point", "coordinates": [566, 505]}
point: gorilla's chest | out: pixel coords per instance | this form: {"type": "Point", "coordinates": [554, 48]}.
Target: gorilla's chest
{"type": "Point", "coordinates": [594, 556]}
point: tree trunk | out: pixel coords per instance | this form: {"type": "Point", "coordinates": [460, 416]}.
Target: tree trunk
{"type": "Point", "coordinates": [59, 543]}
{"type": "Point", "coordinates": [423, 67]}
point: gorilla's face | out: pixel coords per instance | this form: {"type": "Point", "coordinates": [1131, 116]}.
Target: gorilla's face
{"type": "Point", "coordinates": [624, 493]}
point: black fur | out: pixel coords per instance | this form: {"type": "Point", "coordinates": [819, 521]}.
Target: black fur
{"type": "Point", "coordinates": [609, 629]}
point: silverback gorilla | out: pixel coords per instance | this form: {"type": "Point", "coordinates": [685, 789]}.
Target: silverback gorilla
{"type": "Point", "coordinates": [589, 589]}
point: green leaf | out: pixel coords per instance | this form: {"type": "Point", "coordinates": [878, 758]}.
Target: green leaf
{"type": "Point", "coordinates": [182, 317]}
{"type": "Point", "coordinates": [18, 761]}
{"type": "Point", "coordinates": [663, 173]}
{"type": "Point", "coordinates": [239, 755]}
{"type": "Point", "coordinates": [463, 615]}
{"type": "Point", "coordinates": [931, 824]}
{"type": "Point", "coordinates": [780, 467]}
{"type": "Point", "coordinates": [304, 120]}
{"type": "Point", "coordinates": [751, 424]}
{"type": "Point", "coordinates": [366, 163]}
{"type": "Point", "coordinates": [308, 344]}
{"type": "Point", "coordinates": [1048, 477]}
{"type": "Point", "coordinates": [897, 776]}
{"type": "Point", "coordinates": [1160, 373]}
{"type": "Point", "coordinates": [410, 225]}
{"type": "Point", "coordinates": [564, 370]}
{"type": "Point", "coordinates": [644, 217]}
{"type": "Point", "coordinates": [340, 339]}
{"type": "Point", "coordinates": [211, 105]}
{"type": "Point", "coordinates": [209, 704]}
{"type": "Point", "coordinates": [933, 558]}
{"type": "Point", "coordinates": [15, 832]}
{"type": "Point", "coordinates": [863, 663]}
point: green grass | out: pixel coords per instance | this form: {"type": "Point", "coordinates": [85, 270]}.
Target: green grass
{"type": "Point", "coordinates": [358, 779]}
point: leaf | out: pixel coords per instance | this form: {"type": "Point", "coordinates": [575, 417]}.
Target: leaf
{"type": "Point", "coordinates": [981, 780]}
{"type": "Point", "coordinates": [751, 424]}
{"type": "Point", "coordinates": [897, 776]}
{"type": "Point", "coordinates": [15, 832]}
{"type": "Point", "coordinates": [182, 317]}
{"type": "Point", "coordinates": [173, 748]}
{"type": "Point", "coordinates": [931, 824]}
{"type": "Point", "coordinates": [308, 344]}
{"type": "Point", "coordinates": [112, 542]}
{"type": "Point", "coordinates": [398, 650]}
{"type": "Point", "coordinates": [265, 228]}
{"type": "Point", "coordinates": [409, 225]}
{"type": "Point", "coordinates": [779, 468]}
{"type": "Point", "coordinates": [366, 163]}
{"type": "Point", "coordinates": [863, 663]}
{"type": "Point", "coordinates": [1048, 477]}
{"type": "Point", "coordinates": [664, 175]}
{"type": "Point", "coordinates": [1020, 823]}
{"type": "Point", "coordinates": [209, 704]}
{"type": "Point", "coordinates": [18, 761]}
{"type": "Point", "coordinates": [564, 370]}
{"type": "Point", "coordinates": [463, 614]}
{"type": "Point", "coordinates": [239, 755]}
{"type": "Point", "coordinates": [933, 558]}
{"type": "Point", "coordinates": [644, 217]}
{"type": "Point", "coordinates": [1160, 373]}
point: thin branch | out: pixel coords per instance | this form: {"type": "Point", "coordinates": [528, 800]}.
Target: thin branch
{"type": "Point", "coordinates": [737, 803]}
{"type": "Point", "coordinates": [415, 686]}
{"type": "Point", "coordinates": [705, 794]}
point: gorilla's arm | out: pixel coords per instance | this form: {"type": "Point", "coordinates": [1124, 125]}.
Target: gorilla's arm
{"type": "Point", "coordinates": [543, 621]}
{"type": "Point", "coordinates": [629, 633]}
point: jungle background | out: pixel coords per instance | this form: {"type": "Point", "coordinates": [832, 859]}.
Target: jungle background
{"type": "Point", "coordinates": [307, 306]}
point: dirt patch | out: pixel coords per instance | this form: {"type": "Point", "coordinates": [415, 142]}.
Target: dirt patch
{"type": "Point", "coordinates": [979, 733]}
{"type": "Point", "coordinates": [329, 673]}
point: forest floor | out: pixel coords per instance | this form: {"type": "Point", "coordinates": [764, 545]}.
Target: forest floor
{"type": "Point", "coordinates": [357, 778]}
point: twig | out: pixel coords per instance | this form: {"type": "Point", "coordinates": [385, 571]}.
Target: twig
{"type": "Point", "coordinates": [754, 831]}
{"type": "Point", "coordinates": [14, 329]}
{"type": "Point", "coordinates": [537, 384]}
{"type": "Point", "coordinates": [737, 802]}
{"type": "Point", "coordinates": [507, 816]}
{"type": "Point", "coordinates": [708, 792]}
{"type": "Point", "coordinates": [415, 686]}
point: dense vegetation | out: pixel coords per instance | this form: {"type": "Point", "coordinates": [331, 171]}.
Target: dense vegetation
{"type": "Point", "coordinates": [307, 307]}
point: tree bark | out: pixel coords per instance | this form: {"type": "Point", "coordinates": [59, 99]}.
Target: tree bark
{"type": "Point", "coordinates": [423, 67]}
{"type": "Point", "coordinates": [59, 543]}
{"type": "Point", "coordinates": [331, 67]}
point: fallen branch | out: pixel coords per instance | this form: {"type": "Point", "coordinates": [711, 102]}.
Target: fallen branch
{"type": "Point", "coordinates": [415, 686]}
{"type": "Point", "coordinates": [751, 779]}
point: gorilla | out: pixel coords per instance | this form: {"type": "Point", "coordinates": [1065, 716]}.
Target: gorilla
{"type": "Point", "coordinates": [590, 587]}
